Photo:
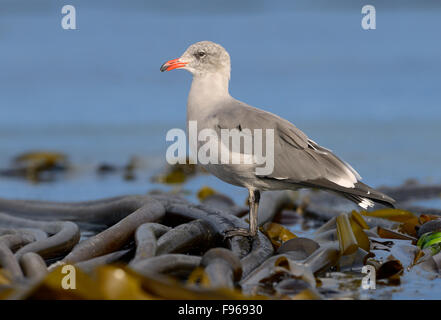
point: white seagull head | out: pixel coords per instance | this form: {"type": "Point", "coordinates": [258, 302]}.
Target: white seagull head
{"type": "Point", "coordinates": [202, 58]}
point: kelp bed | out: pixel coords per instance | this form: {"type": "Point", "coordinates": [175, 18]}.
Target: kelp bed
{"type": "Point", "coordinates": [162, 246]}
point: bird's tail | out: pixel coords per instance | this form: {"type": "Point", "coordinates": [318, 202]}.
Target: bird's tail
{"type": "Point", "coordinates": [360, 193]}
{"type": "Point", "coordinates": [365, 196]}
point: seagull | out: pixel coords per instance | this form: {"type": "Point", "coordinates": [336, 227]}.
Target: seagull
{"type": "Point", "coordinates": [299, 162]}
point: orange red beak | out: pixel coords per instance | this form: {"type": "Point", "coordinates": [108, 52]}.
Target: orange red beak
{"type": "Point", "coordinates": [173, 64]}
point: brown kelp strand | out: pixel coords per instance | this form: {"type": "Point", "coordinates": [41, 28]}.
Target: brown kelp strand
{"type": "Point", "coordinates": [218, 222]}
{"type": "Point", "coordinates": [91, 264]}
{"type": "Point", "coordinates": [36, 233]}
{"type": "Point", "coordinates": [146, 240]}
{"type": "Point", "coordinates": [261, 247]}
{"type": "Point", "coordinates": [261, 250]}
{"type": "Point", "coordinates": [223, 268]}
{"type": "Point", "coordinates": [64, 235]}
{"type": "Point", "coordinates": [115, 237]}
{"type": "Point", "coordinates": [33, 266]}
{"type": "Point", "coordinates": [297, 251]}
{"type": "Point", "coordinates": [7, 259]}
{"type": "Point", "coordinates": [165, 237]}
{"type": "Point", "coordinates": [57, 244]}
{"type": "Point", "coordinates": [175, 263]}
{"type": "Point", "coordinates": [187, 236]}
{"type": "Point", "coordinates": [104, 211]}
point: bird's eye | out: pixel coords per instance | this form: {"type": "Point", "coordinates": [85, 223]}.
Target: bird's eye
{"type": "Point", "coordinates": [201, 54]}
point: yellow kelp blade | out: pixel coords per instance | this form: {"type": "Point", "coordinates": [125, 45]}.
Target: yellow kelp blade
{"type": "Point", "coordinates": [361, 237]}
{"type": "Point", "coordinates": [167, 288]}
{"type": "Point", "coordinates": [198, 277]}
{"type": "Point", "coordinates": [65, 282]}
{"type": "Point", "coordinates": [346, 237]}
{"type": "Point", "coordinates": [408, 220]}
{"type": "Point", "coordinates": [423, 218]}
{"type": "Point", "coordinates": [397, 215]}
{"type": "Point", "coordinates": [205, 192]}
{"type": "Point", "coordinates": [5, 277]}
{"type": "Point", "coordinates": [390, 234]}
{"type": "Point", "coordinates": [359, 219]}
{"type": "Point", "coordinates": [118, 282]}
{"type": "Point", "coordinates": [277, 233]}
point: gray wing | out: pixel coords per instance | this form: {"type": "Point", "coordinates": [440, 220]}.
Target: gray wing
{"type": "Point", "coordinates": [296, 157]}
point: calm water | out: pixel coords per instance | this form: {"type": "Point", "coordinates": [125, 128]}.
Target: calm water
{"type": "Point", "coordinates": [96, 93]}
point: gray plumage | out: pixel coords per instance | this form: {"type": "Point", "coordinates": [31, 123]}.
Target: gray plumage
{"type": "Point", "coordinates": [298, 161]}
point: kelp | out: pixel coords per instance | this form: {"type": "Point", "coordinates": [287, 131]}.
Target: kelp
{"type": "Point", "coordinates": [146, 240]}
{"type": "Point", "coordinates": [356, 217]}
{"type": "Point", "coordinates": [7, 258]}
{"type": "Point", "coordinates": [392, 259]}
{"type": "Point", "coordinates": [127, 170]}
{"type": "Point", "coordinates": [346, 237]}
{"type": "Point", "coordinates": [161, 246]}
{"type": "Point", "coordinates": [187, 236]}
{"type": "Point", "coordinates": [180, 265]}
{"type": "Point", "coordinates": [92, 264]}
{"type": "Point", "coordinates": [37, 166]}
{"type": "Point", "coordinates": [430, 240]}
{"type": "Point", "coordinates": [390, 234]}
{"type": "Point", "coordinates": [277, 233]}
{"type": "Point", "coordinates": [409, 222]}
{"type": "Point", "coordinates": [222, 268]}
{"type": "Point", "coordinates": [292, 265]}
{"type": "Point", "coordinates": [390, 270]}
{"type": "Point", "coordinates": [117, 235]}
{"type": "Point", "coordinates": [178, 173]}
{"type": "Point", "coordinates": [358, 224]}
{"type": "Point", "coordinates": [198, 277]}
{"type": "Point", "coordinates": [397, 215]}
{"type": "Point", "coordinates": [205, 192]}
{"type": "Point", "coordinates": [433, 225]}
{"type": "Point", "coordinates": [33, 266]}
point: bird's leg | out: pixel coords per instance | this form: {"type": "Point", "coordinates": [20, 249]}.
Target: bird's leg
{"type": "Point", "coordinates": [253, 199]}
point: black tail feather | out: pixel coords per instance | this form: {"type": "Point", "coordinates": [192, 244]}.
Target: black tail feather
{"type": "Point", "coordinates": [356, 194]}
{"type": "Point", "coordinates": [359, 199]}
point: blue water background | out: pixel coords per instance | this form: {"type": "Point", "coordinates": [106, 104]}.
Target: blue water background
{"type": "Point", "coordinates": [96, 93]}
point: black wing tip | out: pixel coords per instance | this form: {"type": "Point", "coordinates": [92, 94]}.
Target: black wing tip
{"type": "Point", "coordinates": [376, 196]}
{"type": "Point", "coordinates": [388, 203]}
